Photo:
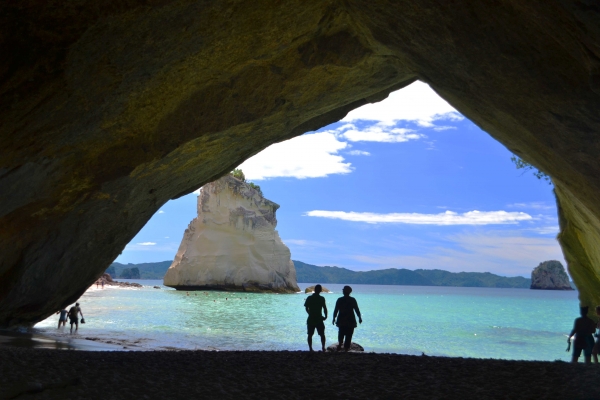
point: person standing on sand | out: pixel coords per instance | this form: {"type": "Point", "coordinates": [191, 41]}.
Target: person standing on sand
{"type": "Point", "coordinates": [346, 321]}
{"type": "Point", "coordinates": [596, 348]}
{"type": "Point", "coordinates": [583, 329]}
{"type": "Point", "coordinates": [313, 305]}
{"type": "Point", "coordinates": [62, 319]}
{"type": "Point", "coordinates": [74, 316]}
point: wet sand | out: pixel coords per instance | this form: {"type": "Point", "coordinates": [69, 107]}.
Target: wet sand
{"type": "Point", "coordinates": [50, 374]}
{"type": "Point", "coordinates": [31, 340]}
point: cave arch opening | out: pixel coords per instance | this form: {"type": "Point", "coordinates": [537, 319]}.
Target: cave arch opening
{"type": "Point", "coordinates": [429, 188]}
{"type": "Point", "coordinates": [409, 167]}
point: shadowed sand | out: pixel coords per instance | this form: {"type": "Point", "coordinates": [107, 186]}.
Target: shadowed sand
{"type": "Point", "coordinates": [49, 374]}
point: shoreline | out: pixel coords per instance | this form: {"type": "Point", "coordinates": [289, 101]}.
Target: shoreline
{"type": "Point", "coordinates": [287, 374]}
{"type": "Point", "coordinates": [32, 339]}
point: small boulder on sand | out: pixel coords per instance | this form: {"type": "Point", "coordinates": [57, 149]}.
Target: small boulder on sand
{"type": "Point", "coordinates": [311, 289]}
{"type": "Point", "coordinates": [354, 348]}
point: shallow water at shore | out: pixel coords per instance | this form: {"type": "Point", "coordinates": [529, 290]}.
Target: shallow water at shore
{"type": "Point", "coordinates": [460, 322]}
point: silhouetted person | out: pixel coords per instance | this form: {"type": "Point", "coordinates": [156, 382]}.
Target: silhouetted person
{"type": "Point", "coordinates": [596, 348]}
{"type": "Point", "coordinates": [313, 305]}
{"type": "Point", "coordinates": [583, 329]}
{"type": "Point", "coordinates": [346, 321]}
{"type": "Point", "coordinates": [74, 316]}
{"type": "Point", "coordinates": [62, 319]}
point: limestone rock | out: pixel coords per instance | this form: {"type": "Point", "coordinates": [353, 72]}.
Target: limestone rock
{"type": "Point", "coordinates": [354, 348]}
{"type": "Point", "coordinates": [550, 275]}
{"type": "Point", "coordinates": [233, 244]}
{"type": "Point", "coordinates": [109, 112]}
{"type": "Point", "coordinates": [311, 289]}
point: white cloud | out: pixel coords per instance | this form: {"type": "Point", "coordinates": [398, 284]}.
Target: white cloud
{"type": "Point", "coordinates": [317, 155]}
{"type": "Point", "coordinates": [537, 205]}
{"type": "Point", "coordinates": [358, 153]}
{"type": "Point", "coordinates": [510, 254]}
{"type": "Point", "coordinates": [166, 248]}
{"type": "Point", "coordinates": [305, 243]}
{"type": "Point", "coordinates": [166, 237]}
{"type": "Point", "coordinates": [416, 102]}
{"type": "Point", "coordinates": [446, 218]}
{"type": "Point", "coordinates": [297, 242]}
{"type": "Point", "coordinates": [376, 133]}
{"type": "Point", "coordinates": [308, 156]}
{"type": "Point", "coordinates": [161, 212]}
{"type": "Point", "coordinates": [546, 230]}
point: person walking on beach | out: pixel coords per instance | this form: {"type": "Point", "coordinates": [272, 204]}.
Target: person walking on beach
{"type": "Point", "coordinates": [74, 316]}
{"type": "Point", "coordinates": [62, 319]}
{"type": "Point", "coordinates": [346, 321]}
{"type": "Point", "coordinates": [583, 329]}
{"type": "Point", "coordinates": [313, 305]}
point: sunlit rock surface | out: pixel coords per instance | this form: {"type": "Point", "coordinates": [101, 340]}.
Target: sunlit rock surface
{"type": "Point", "coordinates": [550, 275]}
{"type": "Point", "coordinates": [233, 244]}
{"type": "Point", "coordinates": [107, 112]}
{"type": "Point", "coordinates": [311, 289]}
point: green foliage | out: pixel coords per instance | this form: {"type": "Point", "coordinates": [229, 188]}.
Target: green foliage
{"type": "Point", "coordinates": [111, 271]}
{"type": "Point", "coordinates": [524, 165]}
{"type": "Point", "coordinates": [237, 173]}
{"type": "Point", "coordinates": [255, 187]}
{"type": "Point", "coordinates": [392, 276]}
{"type": "Point", "coordinates": [130, 273]}
{"type": "Point", "coordinates": [155, 270]}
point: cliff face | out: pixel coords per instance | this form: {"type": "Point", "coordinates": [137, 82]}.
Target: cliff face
{"type": "Point", "coordinates": [550, 275]}
{"type": "Point", "coordinates": [109, 112]}
{"type": "Point", "coordinates": [233, 244]}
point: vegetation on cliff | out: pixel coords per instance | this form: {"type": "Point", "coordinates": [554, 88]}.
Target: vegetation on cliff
{"type": "Point", "coordinates": [153, 270]}
{"type": "Point", "coordinates": [239, 174]}
{"type": "Point", "coordinates": [524, 165]}
{"type": "Point", "coordinates": [420, 277]}
{"type": "Point", "coordinates": [391, 276]}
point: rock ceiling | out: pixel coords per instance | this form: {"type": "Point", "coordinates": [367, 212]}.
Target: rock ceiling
{"type": "Point", "coordinates": [108, 111]}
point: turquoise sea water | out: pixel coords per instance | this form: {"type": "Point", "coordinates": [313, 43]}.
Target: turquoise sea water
{"type": "Point", "coordinates": [445, 321]}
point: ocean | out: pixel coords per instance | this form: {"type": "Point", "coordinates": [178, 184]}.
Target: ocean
{"type": "Point", "coordinates": [516, 324]}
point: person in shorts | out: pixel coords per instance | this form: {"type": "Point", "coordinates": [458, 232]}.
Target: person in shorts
{"type": "Point", "coordinates": [74, 316]}
{"type": "Point", "coordinates": [583, 329]}
{"type": "Point", "coordinates": [62, 319]}
{"type": "Point", "coordinates": [313, 305]}
{"type": "Point", "coordinates": [346, 321]}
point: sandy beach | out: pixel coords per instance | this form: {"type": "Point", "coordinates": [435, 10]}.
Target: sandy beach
{"type": "Point", "coordinates": [50, 374]}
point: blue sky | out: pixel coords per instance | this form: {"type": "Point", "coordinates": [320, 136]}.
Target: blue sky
{"type": "Point", "coordinates": [404, 183]}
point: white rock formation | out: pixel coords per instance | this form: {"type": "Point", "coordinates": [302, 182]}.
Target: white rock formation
{"type": "Point", "coordinates": [233, 244]}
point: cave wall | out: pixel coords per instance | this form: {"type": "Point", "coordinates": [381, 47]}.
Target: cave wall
{"type": "Point", "coordinates": [108, 111]}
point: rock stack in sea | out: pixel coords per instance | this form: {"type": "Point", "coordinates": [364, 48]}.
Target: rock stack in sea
{"type": "Point", "coordinates": [233, 244]}
{"type": "Point", "coordinates": [550, 275]}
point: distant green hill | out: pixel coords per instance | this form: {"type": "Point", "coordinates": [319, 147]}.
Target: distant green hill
{"type": "Point", "coordinates": [154, 270]}
{"type": "Point", "coordinates": [392, 276]}
{"type": "Point", "coordinates": [421, 277]}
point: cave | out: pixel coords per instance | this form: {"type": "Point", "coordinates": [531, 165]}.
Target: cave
{"type": "Point", "coordinates": [107, 112]}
